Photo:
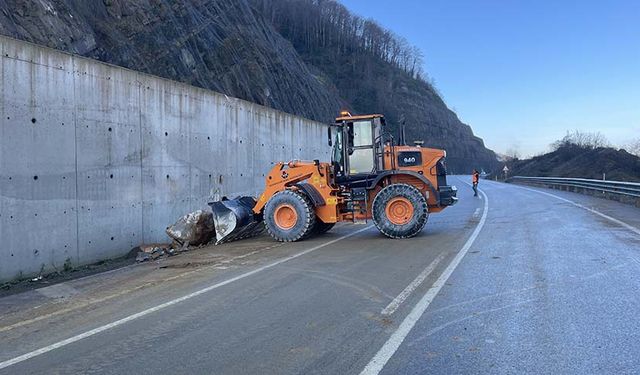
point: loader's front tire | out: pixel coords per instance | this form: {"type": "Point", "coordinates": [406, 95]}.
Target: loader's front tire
{"type": "Point", "coordinates": [289, 216]}
{"type": "Point", "coordinates": [400, 211]}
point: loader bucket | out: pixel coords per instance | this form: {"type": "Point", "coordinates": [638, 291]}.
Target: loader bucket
{"type": "Point", "coordinates": [234, 219]}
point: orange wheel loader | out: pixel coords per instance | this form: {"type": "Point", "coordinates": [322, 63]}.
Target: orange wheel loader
{"type": "Point", "coordinates": [369, 178]}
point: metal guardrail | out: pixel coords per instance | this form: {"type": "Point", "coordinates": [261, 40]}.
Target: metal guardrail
{"type": "Point", "coordinates": [629, 189]}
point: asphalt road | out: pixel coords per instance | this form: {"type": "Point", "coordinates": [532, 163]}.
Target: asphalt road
{"type": "Point", "coordinates": [523, 281]}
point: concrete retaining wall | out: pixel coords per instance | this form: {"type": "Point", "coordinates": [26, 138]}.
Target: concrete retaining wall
{"type": "Point", "coordinates": [96, 159]}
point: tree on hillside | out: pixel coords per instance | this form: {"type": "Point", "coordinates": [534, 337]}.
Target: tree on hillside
{"type": "Point", "coordinates": [633, 147]}
{"type": "Point", "coordinates": [326, 23]}
{"type": "Point", "coordinates": [584, 140]}
{"type": "Point", "coordinates": [513, 153]}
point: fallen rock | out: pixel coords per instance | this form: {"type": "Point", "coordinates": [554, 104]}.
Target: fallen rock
{"type": "Point", "coordinates": [193, 229]}
{"type": "Point", "coordinates": [143, 257]}
{"type": "Point", "coordinates": [157, 253]}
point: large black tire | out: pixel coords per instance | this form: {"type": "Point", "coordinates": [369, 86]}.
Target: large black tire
{"type": "Point", "coordinates": [305, 216]}
{"type": "Point", "coordinates": [322, 227]}
{"type": "Point", "coordinates": [404, 227]}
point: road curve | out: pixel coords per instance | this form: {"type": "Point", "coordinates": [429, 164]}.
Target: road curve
{"type": "Point", "coordinates": [524, 281]}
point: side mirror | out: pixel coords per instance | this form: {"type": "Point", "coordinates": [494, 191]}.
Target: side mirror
{"type": "Point", "coordinates": [329, 136]}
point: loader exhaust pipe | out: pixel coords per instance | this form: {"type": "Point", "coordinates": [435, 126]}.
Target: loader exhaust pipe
{"type": "Point", "coordinates": [234, 219]}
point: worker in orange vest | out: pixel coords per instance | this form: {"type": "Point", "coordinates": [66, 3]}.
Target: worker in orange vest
{"type": "Point", "coordinates": [475, 177]}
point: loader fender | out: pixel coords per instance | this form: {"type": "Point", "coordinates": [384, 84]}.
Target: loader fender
{"type": "Point", "coordinates": [420, 177]}
{"type": "Point", "coordinates": [312, 193]}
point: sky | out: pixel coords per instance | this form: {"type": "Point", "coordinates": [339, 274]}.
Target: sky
{"type": "Point", "coordinates": [523, 73]}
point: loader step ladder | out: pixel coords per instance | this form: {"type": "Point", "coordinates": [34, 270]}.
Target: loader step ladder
{"type": "Point", "coordinates": [359, 204]}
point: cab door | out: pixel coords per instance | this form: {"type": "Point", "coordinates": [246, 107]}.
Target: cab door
{"type": "Point", "coordinates": [360, 150]}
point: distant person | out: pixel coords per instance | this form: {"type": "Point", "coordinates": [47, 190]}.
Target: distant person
{"type": "Point", "coordinates": [475, 177]}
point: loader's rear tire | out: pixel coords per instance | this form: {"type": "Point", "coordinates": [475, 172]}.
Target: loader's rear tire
{"type": "Point", "coordinates": [289, 216]}
{"type": "Point", "coordinates": [322, 227]}
{"type": "Point", "coordinates": [400, 211]}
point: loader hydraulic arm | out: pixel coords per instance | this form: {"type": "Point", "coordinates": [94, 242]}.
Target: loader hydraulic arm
{"type": "Point", "coordinates": [284, 175]}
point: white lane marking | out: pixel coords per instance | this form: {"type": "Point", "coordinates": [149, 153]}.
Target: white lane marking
{"type": "Point", "coordinates": [613, 219]}
{"type": "Point", "coordinates": [121, 292]}
{"type": "Point", "coordinates": [393, 306]}
{"type": "Point", "coordinates": [385, 353]}
{"type": "Point", "coordinates": [129, 318]}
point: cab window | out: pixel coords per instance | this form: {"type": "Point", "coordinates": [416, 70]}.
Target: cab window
{"type": "Point", "coordinates": [360, 147]}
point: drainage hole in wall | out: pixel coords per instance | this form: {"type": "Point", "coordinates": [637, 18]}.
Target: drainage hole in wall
{"type": "Point", "coordinates": [109, 129]}
{"type": "Point", "coordinates": [36, 214]}
{"type": "Point", "coordinates": [33, 120]}
{"type": "Point", "coordinates": [111, 238]}
{"type": "Point", "coordinates": [208, 138]}
{"type": "Point", "coordinates": [209, 176]}
{"type": "Point", "coordinates": [35, 251]}
{"type": "Point", "coordinates": [166, 134]}
{"type": "Point", "coordinates": [110, 176]}
{"type": "Point", "coordinates": [167, 177]}
{"type": "Point", "coordinates": [35, 177]}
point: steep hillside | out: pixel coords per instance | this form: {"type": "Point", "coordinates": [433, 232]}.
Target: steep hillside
{"type": "Point", "coordinates": [581, 162]}
{"type": "Point", "coordinates": [220, 45]}
{"type": "Point", "coordinates": [258, 50]}
{"type": "Point", "coordinates": [376, 71]}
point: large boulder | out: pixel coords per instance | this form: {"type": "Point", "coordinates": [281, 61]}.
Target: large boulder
{"type": "Point", "coordinates": [196, 228]}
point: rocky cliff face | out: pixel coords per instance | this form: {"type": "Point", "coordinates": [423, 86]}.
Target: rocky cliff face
{"type": "Point", "coordinates": [233, 47]}
{"type": "Point", "coordinates": [219, 45]}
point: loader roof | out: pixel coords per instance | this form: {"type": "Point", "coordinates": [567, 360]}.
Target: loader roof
{"type": "Point", "coordinates": [360, 117]}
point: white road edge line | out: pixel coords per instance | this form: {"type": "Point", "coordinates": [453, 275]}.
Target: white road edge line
{"type": "Point", "coordinates": [148, 311]}
{"type": "Point", "coordinates": [389, 348]}
{"type": "Point", "coordinates": [393, 306]}
{"type": "Point", "coordinates": [613, 219]}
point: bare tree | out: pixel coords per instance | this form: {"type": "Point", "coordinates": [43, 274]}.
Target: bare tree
{"type": "Point", "coordinates": [582, 139]}
{"type": "Point", "coordinates": [513, 152]}
{"type": "Point", "coordinates": [326, 24]}
{"type": "Point", "coordinates": [633, 147]}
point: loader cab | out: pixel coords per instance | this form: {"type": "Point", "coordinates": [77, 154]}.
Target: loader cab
{"type": "Point", "coordinates": [356, 146]}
